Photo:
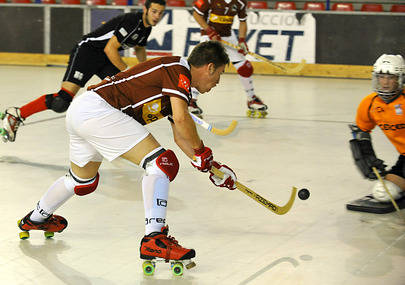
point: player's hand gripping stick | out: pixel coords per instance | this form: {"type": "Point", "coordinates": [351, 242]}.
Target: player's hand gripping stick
{"type": "Point", "coordinates": [229, 178]}
{"type": "Point", "coordinates": [202, 158]}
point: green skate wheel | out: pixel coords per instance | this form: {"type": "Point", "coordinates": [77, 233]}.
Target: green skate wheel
{"type": "Point", "coordinates": [148, 268]}
{"type": "Point", "coordinates": [49, 234]}
{"type": "Point", "coordinates": [3, 132]}
{"type": "Point", "coordinates": [177, 268]}
{"type": "Point", "coordinates": [2, 115]}
{"type": "Point", "coordinates": [249, 113]}
{"type": "Point", "coordinates": [24, 235]}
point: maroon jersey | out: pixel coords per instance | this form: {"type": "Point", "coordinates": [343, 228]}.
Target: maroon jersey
{"type": "Point", "coordinates": [219, 13]}
{"type": "Point", "coordinates": [143, 92]}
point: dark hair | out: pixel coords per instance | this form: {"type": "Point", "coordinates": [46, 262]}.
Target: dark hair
{"type": "Point", "coordinates": [160, 2]}
{"type": "Point", "coordinates": [208, 52]}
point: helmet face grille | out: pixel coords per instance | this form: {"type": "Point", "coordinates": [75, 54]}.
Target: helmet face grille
{"type": "Point", "coordinates": [388, 64]}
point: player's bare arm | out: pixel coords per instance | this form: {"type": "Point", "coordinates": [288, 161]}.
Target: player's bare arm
{"type": "Point", "coordinates": [185, 129]}
{"type": "Point", "coordinates": [140, 53]}
{"type": "Point", "coordinates": [242, 29]}
{"type": "Point", "coordinates": [182, 143]}
{"type": "Point", "coordinates": [200, 20]}
{"type": "Point", "coordinates": [111, 50]}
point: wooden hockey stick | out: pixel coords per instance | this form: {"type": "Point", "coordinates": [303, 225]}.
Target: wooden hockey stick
{"type": "Point", "coordinates": [279, 210]}
{"type": "Point", "coordinates": [296, 69]}
{"type": "Point", "coordinates": [388, 192]}
{"type": "Point", "coordinates": [212, 129]}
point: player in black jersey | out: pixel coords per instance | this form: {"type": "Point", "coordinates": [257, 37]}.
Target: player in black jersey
{"type": "Point", "coordinates": [96, 54]}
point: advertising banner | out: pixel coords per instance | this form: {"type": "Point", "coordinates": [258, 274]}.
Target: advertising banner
{"type": "Point", "coordinates": [278, 36]}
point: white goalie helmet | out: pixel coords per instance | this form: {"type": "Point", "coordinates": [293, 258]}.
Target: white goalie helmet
{"type": "Point", "coordinates": [392, 65]}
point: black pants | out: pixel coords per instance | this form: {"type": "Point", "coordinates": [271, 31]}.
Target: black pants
{"type": "Point", "coordinates": [86, 61]}
{"type": "Point", "coordinates": [399, 167]}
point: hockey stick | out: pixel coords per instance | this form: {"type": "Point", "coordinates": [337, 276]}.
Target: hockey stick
{"type": "Point", "coordinates": [388, 192]}
{"type": "Point", "coordinates": [296, 69]}
{"type": "Point", "coordinates": [279, 210]}
{"type": "Point", "coordinates": [212, 129]}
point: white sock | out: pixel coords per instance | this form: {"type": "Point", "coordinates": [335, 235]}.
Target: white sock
{"type": "Point", "coordinates": [155, 189]}
{"type": "Point", "coordinates": [247, 83]}
{"type": "Point", "coordinates": [56, 195]}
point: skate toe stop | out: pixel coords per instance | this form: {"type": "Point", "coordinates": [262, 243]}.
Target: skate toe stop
{"type": "Point", "coordinates": [190, 265]}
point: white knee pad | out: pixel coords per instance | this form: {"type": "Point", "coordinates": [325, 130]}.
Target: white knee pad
{"type": "Point", "coordinates": [381, 195]}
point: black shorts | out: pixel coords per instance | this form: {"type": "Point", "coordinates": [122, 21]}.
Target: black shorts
{"type": "Point", "coordinates": [84, 62]}
{"type": "Point", "coordinates": [399, 167]}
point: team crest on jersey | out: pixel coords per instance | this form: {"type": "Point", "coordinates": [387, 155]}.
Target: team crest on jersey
{"type": "Point", "coordinates": [135, 36]}
{"type": "Point", "coordinates": [123, 32]}
{"type": "Point", "coordinates": [151, 111]}
{"type": "Point", "coordinates": [398, 109]}
{"type": "Point", "coordinates": [199, 3]}
{"type": "Point", "coordinates": [184, 82]}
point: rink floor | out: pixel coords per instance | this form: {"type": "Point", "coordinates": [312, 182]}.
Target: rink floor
{"type": "Point", "coordinates": [303, 143]}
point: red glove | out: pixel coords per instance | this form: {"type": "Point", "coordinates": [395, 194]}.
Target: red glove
{"type": "Point", "coordinates": [212, 34]}
{"type": "Point", "coordinates": [202, 158]}
{"type": "Point", "coordinates": [243, 47]}
{"type": "Point", "coordinates": [229, 178]}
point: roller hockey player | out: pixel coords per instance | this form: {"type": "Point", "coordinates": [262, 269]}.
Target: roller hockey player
{"type": "Point", "coordinates": [386, 108]}
{"type": "Point", "coordinates": [98, 53]}
{"type": "Point", "coordinates": [215, 19]}
{"type": "Point", "coordinates": [108, 121]}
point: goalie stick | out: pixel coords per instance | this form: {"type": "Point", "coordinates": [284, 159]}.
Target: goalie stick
{"type": "Point", "coordinates": [296, 69]}
{"type": "Point", "coordinates": [279, 210]}
{"type": "Point", "coordinates": [212, 129]}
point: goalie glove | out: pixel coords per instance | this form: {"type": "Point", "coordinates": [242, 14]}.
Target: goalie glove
{"type": "Point", "coordinates": [243, 47]}
{"type": "Point", "coordinates": [212, 34]}
{"type": "Point", "coordinates": [364, 155]}
{"type": "Point", "coordinates": [229, 178]}
{"type": "Point", "coordinates": [202, 158]}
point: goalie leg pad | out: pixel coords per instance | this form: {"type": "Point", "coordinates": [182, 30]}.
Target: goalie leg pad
{"type": "Point", "coordinates": [59, 102]}
{"type": "Point", "coordinates": [246, 69]}
{"type": "Point", "coordinates": [370, 205]}
{"type": "Point", "coordinates": [381, 195]}
{"type": "Point", "coordinates": [81, 187]}
{"type": "Point", "coordinates": [365, 158]}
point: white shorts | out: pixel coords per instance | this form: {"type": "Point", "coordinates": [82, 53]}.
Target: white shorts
{"type": "Point", "coordinates": [97, 130]}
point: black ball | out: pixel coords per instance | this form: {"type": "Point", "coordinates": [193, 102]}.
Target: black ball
{"type": "Point", "coordinates": [303, 194]}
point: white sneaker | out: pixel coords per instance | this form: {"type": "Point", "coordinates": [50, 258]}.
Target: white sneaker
{"type": "Point", "coordinates": [11, 121]}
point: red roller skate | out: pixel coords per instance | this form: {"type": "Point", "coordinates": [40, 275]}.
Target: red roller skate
{"type": "Point", "coordinates": [51, 225]}
{"type": "Point", "coordinates": [158, 246]}
{"type": "Point", "coordinates": [256, 108]}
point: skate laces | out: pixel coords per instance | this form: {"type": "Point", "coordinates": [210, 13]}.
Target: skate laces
{"type": "Point", "coordinates": [16, 119]}
{"type": "Point", "coordinates": [255, 100]}
{"type": "Point", "coordinates": [171, 239]}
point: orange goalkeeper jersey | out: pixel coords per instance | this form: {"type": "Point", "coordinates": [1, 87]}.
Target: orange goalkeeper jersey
{"type": "Point", "coordinates": [390, 118]}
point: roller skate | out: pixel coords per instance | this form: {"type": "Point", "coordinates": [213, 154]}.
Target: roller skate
{"type": "Point", "coordinates": [194, 109]}
{"type": "Point", "coordinates": [11, 121]}
{"type": "Point", "coordinates": [257, 109]}
{"type": "Point", "coordinates": [51, 225]}
{"type": "Point", "coordinates": [159, 247]}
